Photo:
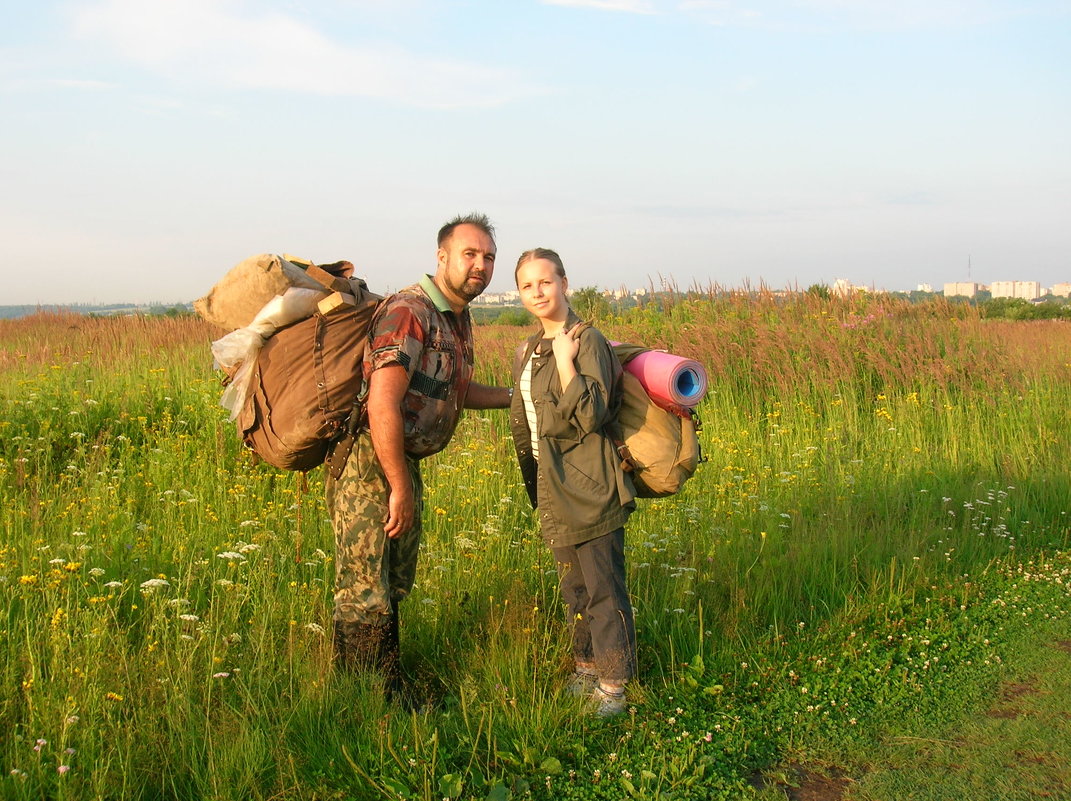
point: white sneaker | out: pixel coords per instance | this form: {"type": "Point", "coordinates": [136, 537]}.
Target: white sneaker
{"type": "Point", "coordinates": [607, 704]}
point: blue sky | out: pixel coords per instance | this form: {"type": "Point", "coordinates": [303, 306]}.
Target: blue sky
{"type": "Point", "coordinates": [148, 145]}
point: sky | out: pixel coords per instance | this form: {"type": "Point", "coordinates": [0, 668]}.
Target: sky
{"type": "Point", "coordinates": [147, 146]}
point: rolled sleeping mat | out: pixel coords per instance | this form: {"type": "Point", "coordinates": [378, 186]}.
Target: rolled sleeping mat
{"type": "Point", "coordinates": [668, 379]}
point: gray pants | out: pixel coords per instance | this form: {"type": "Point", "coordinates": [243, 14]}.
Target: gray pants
{"type": "Point", "coordinates": [592, 580]}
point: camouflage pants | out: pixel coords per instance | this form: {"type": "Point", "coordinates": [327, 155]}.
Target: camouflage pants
{"type": "Point", "coordinates": [372, 571]}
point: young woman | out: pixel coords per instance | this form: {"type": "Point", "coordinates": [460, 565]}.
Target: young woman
{"type": "Point", "coordinates": [568, 385]}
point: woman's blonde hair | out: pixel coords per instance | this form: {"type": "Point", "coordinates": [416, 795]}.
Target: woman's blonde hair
{"type": "Point", "coordinates": [540, 253]}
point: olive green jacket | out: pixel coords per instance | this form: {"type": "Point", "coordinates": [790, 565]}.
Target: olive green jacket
{"type": "Point", "coordinates": [578, 486]}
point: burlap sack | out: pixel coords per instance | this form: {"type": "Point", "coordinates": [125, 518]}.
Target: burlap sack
{"type": "Point", "coordinates": [235, 300]}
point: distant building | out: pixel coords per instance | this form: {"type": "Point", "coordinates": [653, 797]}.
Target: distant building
{"type": "Point", "coordinates": [924, 288]}
{"type": "Point", "coordinates": [965, 289]}
{"type": "Point", "coordinates": [1028, 290]}
{"type": "Point", "coordinates": [1062, 290]}
{"type": "Point", "coordinates": [844, 288]}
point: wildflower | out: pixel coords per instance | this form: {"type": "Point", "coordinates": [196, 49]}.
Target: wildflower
{"type": "Point", "coordinates": [249, 547]}
{"type": "Point", "coordinates": [38, 745]}
{"type": "Point", "coordinates": [178, 602]}
{"type": "Point", "coordinates": [96, 572]}
{"type": "Point", "coordinates": [112, 585]}
{"type": "Point", "coordinates": [154, 584]}
{"type": "Point", "coordinates": [110, 696]}
{"type": "Point", "coordinates": [27, 580]}
{"type": "Point", "coordinates": [62, 769]}
{"type": "Point", "coordinates": [232, 555]}
{"type": "Point", "coordinates": [189, 618]}
{"type": "Point", "coordinates": [221, 675]}
{"type": "Point", "coordinates": [56, 561]}
{"type": "Point", "coordinates": [315, 628]}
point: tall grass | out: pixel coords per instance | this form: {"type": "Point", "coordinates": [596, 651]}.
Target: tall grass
{"type": "Point", "coordinates": [167, 601]}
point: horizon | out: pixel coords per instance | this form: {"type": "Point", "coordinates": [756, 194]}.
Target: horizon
{"type": "Point", "coordinates": [151, 147]}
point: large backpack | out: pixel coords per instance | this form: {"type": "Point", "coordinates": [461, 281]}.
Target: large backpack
{"type": "Point", "coordinates": [659, 445]}
{"type": "Point", "coordinates": [302, 395]}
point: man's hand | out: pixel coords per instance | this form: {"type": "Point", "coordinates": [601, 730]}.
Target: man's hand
{"type": "Point", "coordinates": [400, 511]}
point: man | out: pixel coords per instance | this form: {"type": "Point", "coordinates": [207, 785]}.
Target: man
{"type": "Point", "coordinates": [418, 369]}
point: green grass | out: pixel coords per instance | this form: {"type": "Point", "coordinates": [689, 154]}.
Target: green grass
{"type": "Point", "coordinates": [849, 553]}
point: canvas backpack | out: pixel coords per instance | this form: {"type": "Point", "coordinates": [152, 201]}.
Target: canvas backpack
{"type": "Point", "coordinates": [301, 402]}
{"type": "Point", "coordinates": [658, 446]}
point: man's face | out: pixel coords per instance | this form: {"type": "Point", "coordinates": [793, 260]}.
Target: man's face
{"type": "Point", "coordinates": [466, 263]}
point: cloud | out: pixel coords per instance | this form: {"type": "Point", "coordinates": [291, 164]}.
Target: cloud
{"type": "Point", "coordinates": [907, 14]}
{"type": "Point", "coordinates": [232, 46]}
{"type": "Point", "coordinates": [627, 6]}
{"type": "Point", "coordinates": [892, 15]}
{"type": "Point", "coordinates": [78, 83]}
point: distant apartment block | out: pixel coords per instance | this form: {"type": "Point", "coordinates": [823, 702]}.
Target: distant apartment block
{"type": "Point", "coordinates": [965, 289]}
{"type": "Point", "coordinates": [843, 288]}
{"type": "Point", "coordinates": [924, 288]}
{"type": "Point", "coordinates": [1062, 290]}
{"type": "Point", "coordinates": [1029, 290]}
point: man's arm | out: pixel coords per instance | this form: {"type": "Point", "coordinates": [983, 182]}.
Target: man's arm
{"type": "Point", "coordinates": [386, 389]}
{"type": "Point", "coordinates": [483, 396]}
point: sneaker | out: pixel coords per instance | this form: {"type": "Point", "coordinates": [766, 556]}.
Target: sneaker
{"type": "Point", "coordinates": [580, 684]}
{"type": "Point", "coordinates": [607, 704]}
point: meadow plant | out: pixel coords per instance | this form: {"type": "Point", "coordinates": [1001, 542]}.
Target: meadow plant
{"type": "Point", "coordinates": [881, 518]}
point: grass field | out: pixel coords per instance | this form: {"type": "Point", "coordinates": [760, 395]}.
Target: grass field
{"type": "Point", "coordinates": [879, 527]}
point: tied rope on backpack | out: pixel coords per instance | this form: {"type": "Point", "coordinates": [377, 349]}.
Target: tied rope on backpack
{"type": "Point", "coordinates": [292, 357]}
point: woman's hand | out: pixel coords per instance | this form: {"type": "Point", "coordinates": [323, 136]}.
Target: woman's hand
{"type": "Point", "coordinates": [566, 345]}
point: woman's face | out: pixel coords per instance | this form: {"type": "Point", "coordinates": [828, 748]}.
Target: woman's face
{"type": "Point", "coordinates": [543, 290]}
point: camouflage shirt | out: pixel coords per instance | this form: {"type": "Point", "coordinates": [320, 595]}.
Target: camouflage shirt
{"type": "Point", "coordinates": [416, 329]}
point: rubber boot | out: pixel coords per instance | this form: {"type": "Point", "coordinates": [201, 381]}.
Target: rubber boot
{"type": "Point", "coordinates": [360, 646]}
